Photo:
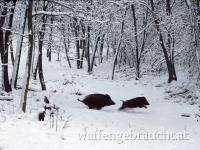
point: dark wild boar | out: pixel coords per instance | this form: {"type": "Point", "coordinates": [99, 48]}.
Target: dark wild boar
{"type": "Point", "coordinates": [134, 103]}
{"type": "Point", "coordinates": [41, 115]}
{"type": "Point", "coordinates": [97, 101]}
{"type": "Point", "coordinates": [47, 105]}
{"type": "Point", "coordinates": [46, 100]}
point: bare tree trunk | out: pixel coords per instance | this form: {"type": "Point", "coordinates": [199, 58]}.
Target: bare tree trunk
{"type": "Point", "coordinates": [94, 52]}
{"type": "Point", "coordinates": [83, 53]}
{"type": "Point", "coordinates": [11, 53]}
{"type": "Point", "coordinates": [78, 54]}
{"type": "Point", "coordinates": [50, 40]}
{"type": "Point", "coordinates": [108, 50]}
{"type": "Point", "coordinates": [76, 27]}
{"type": "Point", "coordinates": [138, 49]}
{"type": "Point", "coordinates": [170, 40]}
{"type": "Point", "coordinates": [41, 38]}
{"type": "Point", "coordinates": [88, 49]}
{"type": "Point", "coordinates": [40, 68]}
{"type": "Point", "coordinates": [66, 49]}
{"type": "Point", "coordinates": [4, 37]}
{"type": "Point", "coordinates": [33, 67]}
{"type": "Point", "coordinates": [35, 70]}
{"type": "Point", "coordinates": [19, 47]}
{"type": "Point", "coordinates": [171, 71]}
{"type": "Point", "coordinates": [119, 44]}
{"type": "Point", "coordinates": [2, 46]}
{"type": "Point", "coordinates": [83, 44]}
{"type": "Point", "coordinates": [194, 10]}
{"type": "Point", "coordinates": [136, 43]}
{"type": "Point", "coordinates": [10, 26]}
{"type": "Point", "coordinates": [101, 48]}
{"type": "Point", "coordinates": [29, 58]}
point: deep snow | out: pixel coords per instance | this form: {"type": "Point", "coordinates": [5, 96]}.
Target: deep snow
{"type": "Point", "coordinates": [22, 131]}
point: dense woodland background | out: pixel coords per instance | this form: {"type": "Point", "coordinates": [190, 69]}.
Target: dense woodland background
{"type": "Point", "coordinates": [148, 36]}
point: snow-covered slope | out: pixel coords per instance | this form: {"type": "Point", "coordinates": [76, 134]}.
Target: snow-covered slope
{"type": "Point", "coordinates": [106, 129]}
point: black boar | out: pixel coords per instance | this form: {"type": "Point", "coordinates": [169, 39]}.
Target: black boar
{"type": "Point", "coordinates": [135, 102]}
{"type": "Point", "coordinates": [97, 101]}
{"type": "Point", "coordinates": [41, 115]}
{"type": "Point", "coordinates": [46, 100]}
{"type": "Point", "coordinates": [47, 105]}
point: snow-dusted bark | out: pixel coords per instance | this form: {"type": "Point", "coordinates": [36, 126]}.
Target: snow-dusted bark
{"type": "Point", "coordinates": [101, 48]}
{"type": "Point", "coordinates": [19, 45]}
{"type": "Point", "coordinates": [35, 66]}
{"type": "Point", "coordinates": [119, 43]}
{"type": "Point", "coordinates": [29, 59]}
{"type": "Point", "coordinates": [41, 35]}
{"type": "Point", "coordinates": [138, 49]}
{"type": "Point", "coordinates": [169, 61]}
{"type": "Point", "coordinates": [194, 9]}
{"type": "Point", "coordinates": [76, 32]}
{"type": "Point", "coordinates": [88, 49]}
{"type": "Point", "coordinates": [95, 50]}
{"type": "Point", "coordinates": [49, 49]}
{"type": "Point", "coordinates": [66, 48]}
{"type": "Point", "coordinates": [4, 36]}
{"type": "Point", "coordinates": [1, 83]}
{"type": "Point", "coordinates": [40, 47]}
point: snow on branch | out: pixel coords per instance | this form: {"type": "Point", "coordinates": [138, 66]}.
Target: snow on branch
{"type": "Point", "coordinates": [70, 14]}
{"type": "Point", "coordinates": [49, 13]}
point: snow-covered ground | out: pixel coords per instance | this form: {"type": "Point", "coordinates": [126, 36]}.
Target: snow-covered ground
{"type": "Point", "coordinates": [85, 129]}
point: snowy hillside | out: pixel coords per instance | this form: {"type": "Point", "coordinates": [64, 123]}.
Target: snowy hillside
{"type": "Point", "coordinates": [75, 120]}
{"type": "Point", "coordinates": [100, 75]}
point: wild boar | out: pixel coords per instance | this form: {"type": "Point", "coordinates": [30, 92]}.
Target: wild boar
{"type": "Point", "coordinates": [134, 103]}
{"type": "Point", "coordinates": [47, 105]}
{"type": "Point", "coordinates": [41, 115]}
{"type": "Point", "coordinates": [97, 101]}
{"type": "Point", "coordinates": [46, 100]}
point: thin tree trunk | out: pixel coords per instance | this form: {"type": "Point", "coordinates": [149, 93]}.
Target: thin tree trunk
{"type": "Point", "coordinates": [107, 51]}
{"type": "Point", "coordinates": [66, 49]}
{"type": "Point", "coordinates": [101, 48]}
{"type": "Point", "coordinates": [41, 38]}
{"type": "Point", "coordinates": [83, 53]}
{"type": "Point", "coordinates": [171, 73]}
{"type": "Point", "coordinates": [138, 49]}
{"type": "Point", "coordinates": [50, 40]}
{"type": "Point", "coordinates": [11, 53]}
{"type": "Point", "coordinates": [194, 8]}
{"type": "Point", "coordinates": [170, 39]}
{"type": "Point", "coordinates": [2, 46]}
{"type": "Point", "coordinates": [83, 44]}
{"type": "Point", "coordinates": [119, 43]}
{"type": "Point", "coordinates": [10, 26]}
{"type": "Point", "coordinates": [35, 59]}
{"type": "Point", "coordinates": [29, 58]}
{"type": "Point", "coordinates": [35, 70]}
{"type": "Point", "coordinates": [88, 49]}
{"type": "Point", "coordinates": [4, 36]}
{"type": "Point", "coordinates": [94, 52]}
{"type": "Point", "coordinates": [76, 27]}
{"type": "Point", "coordinates": [40, 68]}
{"type": "Point", "coordinates": [136, 43]}
{"type": "Point", "coordinates": [19, 47]}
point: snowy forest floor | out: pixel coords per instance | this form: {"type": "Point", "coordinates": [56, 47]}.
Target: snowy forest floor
{"type": "Point", "coordinates": [64, 86]}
